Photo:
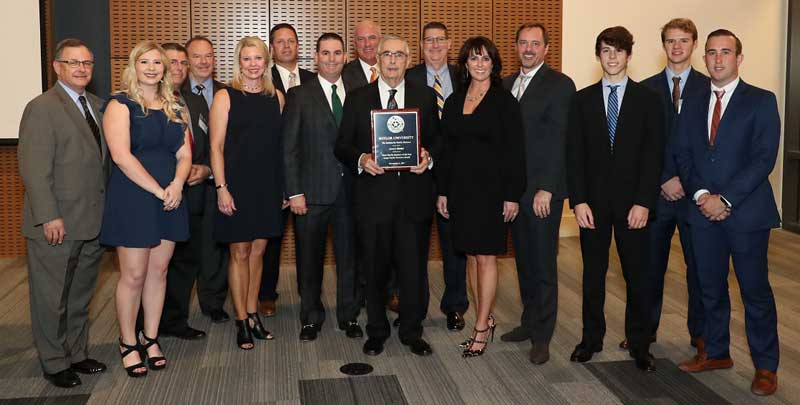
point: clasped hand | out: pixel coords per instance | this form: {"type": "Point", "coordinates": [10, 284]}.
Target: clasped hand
{"type": "Point", "coordinates": [171, 196]}
{"type": "Point", "coordinates": [712, 207]}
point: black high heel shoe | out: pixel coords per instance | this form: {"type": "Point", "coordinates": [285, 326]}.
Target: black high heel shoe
{"type": "Point", "coordinates": [469, 352]}
{"type": "Point", "coordinates": [492, 325]}
{"type": "Point", "coordinates": [152, 361]}
{"type": "Point", "coordinates": [257, 329]}
{"type": "Point", "coordinates": [128, 350]}
{"type": "Point", "coordinates": [243, 336]}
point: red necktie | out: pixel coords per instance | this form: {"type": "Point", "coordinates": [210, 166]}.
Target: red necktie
{"type": "Point", "coordinates": [716, 117]}
{"type": "Point", "coordinates": [676, 92]}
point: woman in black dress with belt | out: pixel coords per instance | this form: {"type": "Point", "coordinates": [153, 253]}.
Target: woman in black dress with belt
{"type": "Point", "coordinates": [482, 175]}
{"type": "Point", "coordinates": [248, 170]}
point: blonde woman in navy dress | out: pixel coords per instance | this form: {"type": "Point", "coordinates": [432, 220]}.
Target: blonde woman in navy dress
{"type": "Point", "coordinates": [144, 214]}
{"type": "Point", "coordinates": [247, 161]}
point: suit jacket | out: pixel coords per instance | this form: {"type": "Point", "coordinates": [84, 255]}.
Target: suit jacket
{"type": "Point", "coordinates": [373, 194]}
{"type": "Point", "coordinates": [419, 75]}
{"type": "Point", "coordinates": [738, 165]}
{"type": "Point", "coordinates": [305, 76]}
{"type": "Point", "coordinates": [309, 136]}
{"type": "Point", "coordinates": [611, 183]}
{"type": "Point", "coordinates": [201, 154]}
{"type": "Point", "coordinates": [544, 106]}
{"type": "Point", "coordinates": [353, 76]}
{"type": "Point", "coordinates": [61, 165]}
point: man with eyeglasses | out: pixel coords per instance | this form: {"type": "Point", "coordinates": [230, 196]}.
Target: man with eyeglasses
{"type": "Point", "coordinates": [393, 209]}
{"type": "Point", "coordinates": [439, 75]}
{"type": "Point", "coordinates": [364, 69]}
{"type": "Point", "coordinates": [62, 162]}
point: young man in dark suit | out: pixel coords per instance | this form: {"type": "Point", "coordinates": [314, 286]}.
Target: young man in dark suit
{"type": "Point", "coordinates": [544, 96]}
{"type": "Point", "coordinates": [615, 145]}
{"type": "Point", "coordinates": [729, 139]}
{"type": "Point", "coordinates": [675, 84]}
{"type": "Point", "coordinates": [320, 191]}
{"type": "Point", "coordinates": [392, 209]}
{"type": "Point", "coordinates": [437, 74]}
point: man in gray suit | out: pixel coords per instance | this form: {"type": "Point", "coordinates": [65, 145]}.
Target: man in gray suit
{"type": "Point", "coordinates": [61, 160]}
{"type": "Point", "coordinates": [320, 191]}
{"type": "Point", "coordinates": [543, 96]}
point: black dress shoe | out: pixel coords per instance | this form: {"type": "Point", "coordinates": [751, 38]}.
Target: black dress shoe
{"type": "Point", "coordinates": [419, 347]}
{"type": "Point", "coordinates": [584, 352]}
{"type": "Point", "coordinates": [455, 321]}
{"type": "Point", "coordinates": [218, 315]}
{"type": "Point", "coordinates": [185, 332]}
{"type": "Point", "coordinates": [352, 330]}
{"type": "Point", "coordinates": [88, 366]}
{"type": "Point", "coordinates": [309, 332]}
{"type": "Point", "coordinates": [645, 362]}
{"type": "Point", "coordinates": [518, 334]}
{"type": "Point", "coordinates": [373, 346]}
{"type": "Point", "coordinates": [63, 379]}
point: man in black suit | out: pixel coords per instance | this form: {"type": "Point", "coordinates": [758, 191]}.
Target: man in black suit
{"type": "Point", "coordinates": [393, 209]}
{"type": "Point", "coordinates": [615, 145]}
{"type": "Point", "coordinates": [320, 191]}
{"type": "Point", "coordinates": [285, 75]}
{"type": "Point", "coordinates": [437, 74]}
{"type": "Point", "coordinates": [364, 69]}
{"type": "Point", "coordinates": [679, 39]}
{"type": "Point", "coordinates": [543, 96]}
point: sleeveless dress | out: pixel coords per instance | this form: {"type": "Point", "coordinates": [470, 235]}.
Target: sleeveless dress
{"type": "Point", "coordinates": [253, 169]}
{"type": "Point", "coordinates": [134, 217]}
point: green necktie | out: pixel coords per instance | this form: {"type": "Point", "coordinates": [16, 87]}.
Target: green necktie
{"type": "Point", "coordinates": [336, 102]}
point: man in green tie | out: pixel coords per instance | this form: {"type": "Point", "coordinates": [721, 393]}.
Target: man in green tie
{"type": "Point", "coordinates": [319, 190]}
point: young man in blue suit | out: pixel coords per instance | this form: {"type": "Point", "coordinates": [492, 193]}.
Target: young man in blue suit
{"type": "Point", "coordinates": [675, 84]}
{"type": "Point", "coordinates": [729, 141]}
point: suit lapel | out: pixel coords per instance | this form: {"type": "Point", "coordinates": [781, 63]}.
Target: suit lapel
{"type": "Point", "coordinates": [535, 81]}
{"type": "Point", "coordinates": [733, 108]}
{"type": "Point", "coordinates": [77, 117]}
{"type": "Point", "coordinates": [322, 103]}
{"type": "Point", "coordinates": [96, 107]}
{"type": "Point", "coordinates": [598, 110]}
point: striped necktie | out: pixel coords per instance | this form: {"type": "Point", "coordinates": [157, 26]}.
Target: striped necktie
{"type": "Point", "coordinates": [437, 87]}
{"type": "Point", "coordinates": [613, 114]}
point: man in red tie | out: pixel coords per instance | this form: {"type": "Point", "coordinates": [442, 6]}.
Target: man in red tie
{"type": "Point", "coordinates": [729, 141]}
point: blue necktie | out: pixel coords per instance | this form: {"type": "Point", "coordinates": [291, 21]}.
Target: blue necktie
{"type": "Point", "coordinates": [613, 114]}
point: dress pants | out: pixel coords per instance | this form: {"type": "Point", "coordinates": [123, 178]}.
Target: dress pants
{"type": "Point", "coordinates": [212, 276]}
{"type": "Point", "coordinates": [669, 215]}
{"type": "Point", "coordinates": [402, 245]}
{"type": "Point", "coordinates": [310, 235]}
{"type": "Point", "coordinates": [454, 268]}
{"type": "Point", "coordinates": [272, 266]}
{"type": "Point", "coordinates": [714, 246]}
{"type": "Point", "coordinates": [62, 281]}
{"type": "Point", "coordinates": [632, 250]}
{"type": "Point", "coordinates": [536, 248]}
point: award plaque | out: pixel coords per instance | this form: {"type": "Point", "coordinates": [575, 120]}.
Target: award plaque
{"type": "Point", "coordinates": [395, 138]}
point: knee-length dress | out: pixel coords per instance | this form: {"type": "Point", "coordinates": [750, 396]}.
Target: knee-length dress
{"type": "Point", "coordinates": [134, 217]}
{"type": "Point", "coordinates": [253, 168]}
{"type": "Point", "coordinates": [482, 166]}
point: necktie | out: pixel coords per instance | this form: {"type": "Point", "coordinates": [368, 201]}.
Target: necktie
{"type": "Point", "coordinates": [676, 92]}
{"type": "Point", "coordinates": [90, 120]}
{"type": "Point", "coordinates": [292, 80]}
{"type": "Point", "coordinates": [336, 105]}
{"type": "Point", "coordinates": [392, 103]}
{"type": "Point", "coordinates": [437, 87]}
{"type": "Point", "coordinates": [198, 89]}
{"type": "Point", "coordinates": [374, 75]}
{"type": "Point", "coordinates": [613, 114]}
{"type": "Point", "coordinates": [716, 116]}
{"type": "Point", "coordinates": [521, 89]}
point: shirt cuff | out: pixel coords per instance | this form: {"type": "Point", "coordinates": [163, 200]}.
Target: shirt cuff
{"type": "Point", "coordinates": [360, 168]}
{"type": "Point", "coordinates": [296, 195]}
{"type": "Point", "coordinates": [726, 202]}
{"type": "Point", "coordinates": [699, 193]}
{"type": "Point", "coordinates": [430, 162]}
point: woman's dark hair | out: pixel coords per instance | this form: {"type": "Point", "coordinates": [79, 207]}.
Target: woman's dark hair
{"type": "Point", "coordinates": [476, 45]}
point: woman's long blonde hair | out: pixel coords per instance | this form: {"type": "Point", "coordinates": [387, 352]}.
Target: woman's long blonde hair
{"type": "Point", "coordinates": [164, 94]}
{"type": "Point", "coordinates": [238, 77]}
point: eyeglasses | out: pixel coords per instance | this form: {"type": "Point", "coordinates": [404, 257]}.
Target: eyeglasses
{"type": "Point", "coordinates": [431, 40]}
{"type": "Point", "coordinates": [88, 64]}
{"type": "Point", "coordinates": [390, 55]}
{"type": "Point", "coordinates": [174, 62]}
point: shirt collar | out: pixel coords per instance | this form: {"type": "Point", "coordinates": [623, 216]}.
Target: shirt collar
{"type": "Point", "coordinates": [683, 75]}
{"type": "Point", "coordinates": [207, 84]}
{"type": "Point", "coordinates": [621, 84]}
{"type": "Point", "coordinates": [72, 93]}
{"type": "Point", "coordinates": [444, 70]}
{"type": "Point", "coordinates": [325, 83]}
{"type": "Point", "coordinates": [383, 86]}
{"type": "Point", "coordinates": [532, 73]}
{"type": "Point", "coordinates": [285, 71]}
{"type": "Point", "coordinates": [728, 87]}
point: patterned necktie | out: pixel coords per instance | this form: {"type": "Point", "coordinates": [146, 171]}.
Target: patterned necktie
{"type": "Point", "coordinates": [374, 75]}
{"type": "Point", "coordinates": [437, 87]}
{"type": "Point", "coordinates": [336, 105]}
{"type": "Point", "coordinates": [198, 89]}
{"type": "Point", "coordinates": [676, 92]}
{"type": "Point", "coordinates": [613, 114]}
{"type": "Point", "coordinates": [521, 89]}
{"type": "Point", "coordinates": [90, 120]}
{"type": "Point", "coordinates": [392, 103]}
{"type": "Point", "coordinates": [716, 116]}
{"type": "Point", "coordinates": [292, 80]}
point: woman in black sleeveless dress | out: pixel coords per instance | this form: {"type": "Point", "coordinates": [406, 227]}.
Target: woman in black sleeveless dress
{"type": "Point", "coordinates": [247, 161]}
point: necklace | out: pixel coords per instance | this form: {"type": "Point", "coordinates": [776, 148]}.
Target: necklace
{"type": "Point", "coordinates": [474, 98]}
{"type": "Point", "coordinates": [252, 89]}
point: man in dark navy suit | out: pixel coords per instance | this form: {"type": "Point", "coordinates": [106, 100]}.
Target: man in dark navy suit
{"type": "Point", "coordinates": [675, 84]}
{"type": "Point", "coordinates": [729, 139]}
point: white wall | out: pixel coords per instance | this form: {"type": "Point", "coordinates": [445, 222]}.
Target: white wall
{"type": "Point", "coordinates": [761, 25]}
{"type": "Point", "coordinates": [21, 67]}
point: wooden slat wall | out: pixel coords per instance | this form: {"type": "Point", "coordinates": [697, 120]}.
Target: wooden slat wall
{"type": "Point", "coordinates": [328, 16]}
{"type": "Point", "coordinates": [11, 195]}
{"type": "Point", "coordinates": [474, 17]}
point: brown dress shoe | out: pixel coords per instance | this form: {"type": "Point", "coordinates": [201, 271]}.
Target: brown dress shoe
{"type": "Point", "coordinates": [394, 303]}
{"type": "Point", "coordinates": [765, 383]}
{"type": "Point", "coordinates": [267, 307]}
{"type": "Point", "coordinates": [700, 362]}
{"type": "Point", "coordinates": [540, 353]}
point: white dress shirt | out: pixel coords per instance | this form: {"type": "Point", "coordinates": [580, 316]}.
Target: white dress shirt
{"type": "Point", "coordinates": [367, 68]}
{"type": "Point", "coordinates": [326, 88]}
{"type": "Point", "coordinates": [284, 74]}
{"type": "Point", "coordinates": [399, 97]}
{"type": "Point", "coordinates": [523, 80]}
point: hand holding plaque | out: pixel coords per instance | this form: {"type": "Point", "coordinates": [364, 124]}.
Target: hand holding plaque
{"type": "Point", "coordinates": [395, 139]}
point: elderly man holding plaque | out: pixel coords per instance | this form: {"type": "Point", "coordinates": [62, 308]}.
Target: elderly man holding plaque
{"type": "Point", "coordinates": [392, 199]}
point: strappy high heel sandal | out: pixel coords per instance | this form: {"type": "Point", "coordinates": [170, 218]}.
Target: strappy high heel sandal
{"type": "Point", "coordinates": [243, 336]}
{"type": "Point", "coordinates": [492, 324]}
{"type": "Point", "coordinates": [257, 330]}
{"type": "Point", "coordinates": [152, 361]}
{"type": "Point", "coordinates": [128, 350]}
{"type": "Point", "coordinates": [469, 352]}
